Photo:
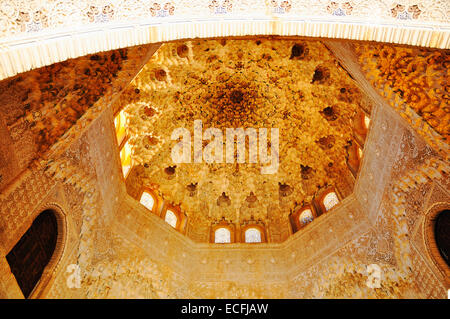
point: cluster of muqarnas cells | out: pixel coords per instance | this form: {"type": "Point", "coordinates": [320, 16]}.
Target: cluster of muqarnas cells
{"type": "Point", "coordinates": [419, 76]}
{"type": "Point", "coordinates": [54, 97]}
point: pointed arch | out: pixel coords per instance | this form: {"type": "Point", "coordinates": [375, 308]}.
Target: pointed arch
{"type": "Point", "coordinates": [34, 259]}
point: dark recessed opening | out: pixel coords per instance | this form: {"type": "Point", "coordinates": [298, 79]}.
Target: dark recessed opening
{"type": "Point", "coordinates": [442, 234]}
{"type": "Point", "coordinates": [33, 251]}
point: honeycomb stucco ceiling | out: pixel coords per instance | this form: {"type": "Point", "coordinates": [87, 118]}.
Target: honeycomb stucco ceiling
{"type": "Point", "coordinates": [296, 86]}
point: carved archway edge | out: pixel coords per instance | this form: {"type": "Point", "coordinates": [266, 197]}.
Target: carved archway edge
{"type": "Point", "coordinates": [430, 243]}
{"type": "Point", "coordinates": [29, 52]}
{"type": "Point", "coordinates": [52, 268]}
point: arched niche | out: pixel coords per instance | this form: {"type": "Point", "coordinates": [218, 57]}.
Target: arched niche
{"type": "Point", "coordinates": [434, 235]}
{"type": "Point", "coordinates": [34, 258]}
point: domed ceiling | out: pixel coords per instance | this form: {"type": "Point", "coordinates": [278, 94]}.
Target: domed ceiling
{"type": "Point", "coordinates": [295, 86]}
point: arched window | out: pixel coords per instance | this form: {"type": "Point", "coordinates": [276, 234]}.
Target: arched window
{"type": "Point", "coordinates": [252, 235]}
{"type": "Point", "coordinates": [360, 153]}
{"type": "Point", "coordinates": [33, 251]}
{"type": "Point", "coordinates": [366, 121]}
{"type": "Point", "coordinates": [171, 218]}
{"type": "Point", "coordinates": [305, 217]}
{"type": "Point", "coordinates": [442, 234]}
{"type": "Point", "coordinates": [222, 235]}
{"type": "Point", "coordinates": [119, 123]}
{"type": "Point", "coordinates": [147, 200]}
{"type": "Point", "coordinates": [360, 125]}
{"type": "Point", "coordinates": [125, 158]}
{"type": "Point", "coordinates": [124, 147]}
{"type": "Point", "coordinates": [330, 200]}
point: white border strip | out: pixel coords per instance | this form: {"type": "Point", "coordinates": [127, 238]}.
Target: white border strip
{"type": "Point", "coordinates": [26, 53]}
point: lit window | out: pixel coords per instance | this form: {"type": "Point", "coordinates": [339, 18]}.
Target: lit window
{"type": "Point", "coordinates": [360, 152]}
{"type": "Point", "coordinates": [330, 200]}
{"type": "Point", "coordinates": [147, 200]}
{"type": "Point", "coordinates": [119, 123]}
{"type": "Point", "coordinates": [305, 217]}
{"type": "Point", "coordinates": [252, 235]}
{"type": "Point", "coordinates": [171, 218]}
{"type": "Point", "coordinates": [222, 235]}
{"type": "Point", "coordinates": [366, 121]}
{"type": "Point", "coordinates": [125, 158]}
